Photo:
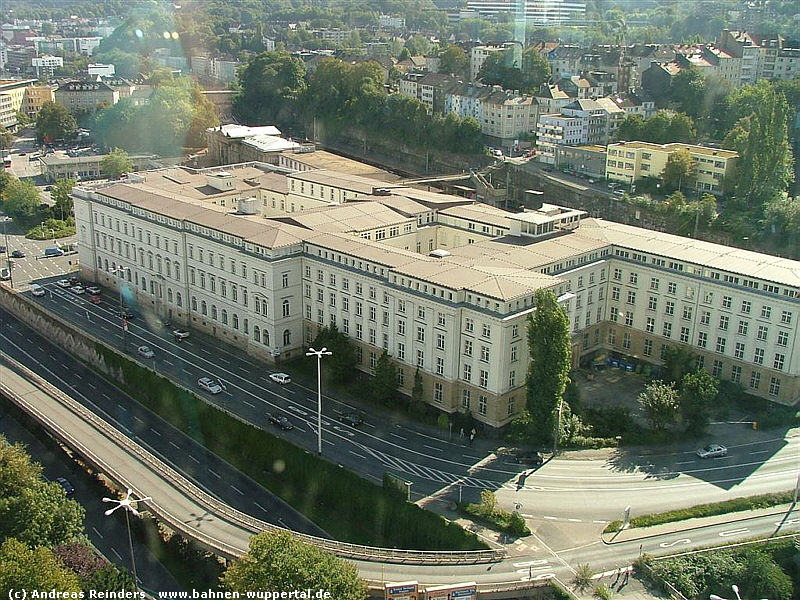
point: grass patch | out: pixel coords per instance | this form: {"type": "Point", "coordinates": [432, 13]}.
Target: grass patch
{"type": "Point", "coordinates": [706, 510]}
{"type": "Point", "coordinates": [348, 507]}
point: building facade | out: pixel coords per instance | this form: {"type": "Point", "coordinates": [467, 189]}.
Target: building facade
{"type": "Point", "coordinates": [630, 161]}
{"type": "Point", "coordinates": [267, 285]}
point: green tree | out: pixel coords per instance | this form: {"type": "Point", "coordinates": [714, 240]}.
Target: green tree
{"type": "Point", "coordinates": [782, 219]}
{"type": "Point", "coordinates": [24, 568]}
{"type": "Point", "coordinates": [417, 392]}
{"type": "Point", "coordinates": [280, 561]}
{"type": "Point", "coordinates": [62, 207]}
{"type": "Point", "coordinates": [688, 91]}
{"type": "Point", "coordinates": [341, 365]}
{"type": "Point", "coordinates": [680, 171]}
{"type": "Point", "coordinates": [631, 129]}
{"type": "Point", "coordinates": [678, 362]}
{"type": "Point", "coordinates": [548, 373]}
{"type": "Point", "coordinates": [6, 138]}
{"type": "Point", "coordinates": [115, 163]}
{"type": "Point", "coordinates": [54, 122]}
{"type": "Point", "coordinates": [454, 60]}
{"type": "Point", "coordinates": [17, 472]}
{"type": "Point", "coordinates": [384, 381]}
{"type": "Point", "coordinates": [659, 401]}
{"type": "Point", "coordinates": [270, 84]}
{"type": "Point", "coordinates": [764, 168]}
{"type": "Point", "coordinates": [21, 201]}
{"type": "Point", "coordinates": [502, 68]}
{"type": "Point", "coordinates": [108, 578]}
{"type": "Point", "coordinates": [697, 392]}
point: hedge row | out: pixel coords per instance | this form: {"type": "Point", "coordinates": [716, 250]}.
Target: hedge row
{"type": "Point", "coordinates": [500, 520]}
{"type": "Point", "coordinates": [706, 510]}
{"type": "Point", "coordinates": [348, 507]}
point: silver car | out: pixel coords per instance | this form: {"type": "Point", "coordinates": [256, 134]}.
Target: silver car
{"type": "Point", "coordinates": [209, 385]}
{"type": "Point", "coordinates": [145, 352]}
{"type": "Point", "coordinates": [712, 451]}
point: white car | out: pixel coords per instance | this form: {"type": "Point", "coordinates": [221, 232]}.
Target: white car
{"type": "Point", "coordinates": [712, 451]}
{"type": "Point", "coordinates": [209, 385]}
{"type": "Point", "coordinates": [63, 283]}
{"type": "Point", "coordinates": [145, 352]}
{"type": "Point", "coordinates": [37, 290]}
{"type": "Point", "coordinates": [281, 378]}
{"type": "Point", "coordinates": [180, 334]}
{"type": "Point", "coordinates": [93, 289]}
{"type": "Point", "coordinates": [77, 289]}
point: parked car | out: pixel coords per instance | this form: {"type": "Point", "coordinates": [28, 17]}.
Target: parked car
{"type": "Point", "coordinates": [524, 457]}
{"type": "Point", "coordinates": [94, 290]}
{"type": "Point", "coordinates": [3, 249]}
{"type": "Point", "coordinates": [281, 378]}
{"type": "Point", "coordinates": [209, 385]}
{"type": "Point", "coordinates": [180, 334]}
{"type": "Point", "coordinates": [5, 274]}
{"type": "Point", "coordinates": [712, 451]}
{"type": "Point", "coordinates": [145, 352]}
{"type": "Point", "coordinates": [53, 251]}
{"type": "Point", "coordinates": [37, 290]}
{"type": "Point", "coordinates": [351, 418]}
{"type": "Point", "coordinates": [63, 283]}
{"type": "Point", "coordinates": [17, 254]}
{"type": "Point", "coordinates": [77, 289]}
{"type": "Point", "coordinates": [280, 421]}
{"type": "Point", "coordinates": [74, 280]}
{"type": "Point", "coordinates": [95, 299]}
{"type": "Point", "coordinates": [69, 490]}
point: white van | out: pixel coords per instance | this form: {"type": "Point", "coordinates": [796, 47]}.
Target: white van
{"type": "Point", "coordinates": [37, 290]}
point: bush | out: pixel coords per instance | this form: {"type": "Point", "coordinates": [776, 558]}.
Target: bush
{"type": "Point", "coordinates": [602, 592]}
{"type": "Point", "coordinates": [580, 441]}
{"type": "Point", "coordinates": [490, 514]}
{"type": "Point", "coordinates": [583, 576]}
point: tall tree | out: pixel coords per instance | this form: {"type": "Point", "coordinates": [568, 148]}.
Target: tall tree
{"type": "Point", "coordinates": [6, 138]}
{"type": "Point", "coordinates": [21, 201]}
{"type": "Point", "coordinates": [659, 401]}
{"type": "Point", "coordinates": [341, 365]}
{"type": "Point", "coordinates": [62, 201]}
{"type": "Point", "coordinates": [270, 83]}
{"type": "Point", "coordinates": [24, 568]}
{"type": "Point", "coordinates": [384, 381]}
{"type": "Point", "coordinates": [551, 354]}
{"type": "Point", "coordinates": [54, 122]}
{"type": "Point", "coordinates": [697, 392]}
{"type": "Point", "coordinates": [115, 163]}
{"type": "Point", "coordinates": [680, 171]}
{"type": "Point", "coordinates": [454, 60]}
{"type": "Point", "coordinates": [280, 561]}
{"type": "Point", "coordinates": [678, 362]}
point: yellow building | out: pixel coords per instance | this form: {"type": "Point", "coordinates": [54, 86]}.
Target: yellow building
{"type": "Point", "coordinates": [631, 161]}
{"type": "Point", "coordinates": [36, 96]}
{"type": "Point", "coordinates": [12, 91]}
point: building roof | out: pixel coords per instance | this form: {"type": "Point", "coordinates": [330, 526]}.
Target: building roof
{"type": "Point", "coordinates": [270, 143]}
{"type": "Point", "coordinates": [243, 131]}
{"type": "Point", "coordinates": [719, 152]}
{"type": "Point", "coordinates": [351, 217]}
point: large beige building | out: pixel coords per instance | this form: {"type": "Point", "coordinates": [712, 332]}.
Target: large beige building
{"type": "Point", "coordinates": [12, 93]}
{"type": "Point", "coordinates": [262, 259]}
{"type": "Point", "coordinates": [631, 161]}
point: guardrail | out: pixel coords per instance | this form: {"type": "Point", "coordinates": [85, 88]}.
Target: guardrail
{"type": "Point", "coordinates": [236, 517]}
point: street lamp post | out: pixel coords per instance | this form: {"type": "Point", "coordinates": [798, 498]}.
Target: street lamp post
{"type": "Point", "coordinates": [8, 251]}
{"type": "Point", "coordinates": [319, 354]}
{"type": "Point", "coordinates": [126, 503]}
{"type": "Point", "coordinates": [118, 271]}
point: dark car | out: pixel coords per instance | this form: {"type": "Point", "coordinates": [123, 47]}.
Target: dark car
{"type": "Point", "coordinates": [127, 314]}
{"type": "Point", "coordinates": [64, 483]}
{"type": "Point", "coordinates": [280, 421]}
{"type": "Point", "coordinates": [3, 249]}
{"type": "Point", "coordinates": [352, 418]}
{"type": "Point", "coordinates": [17, 254]}
{"type": "Point", "coordinates": [73, 281]}
{"type": "Point", "coordinates": [524, 457]}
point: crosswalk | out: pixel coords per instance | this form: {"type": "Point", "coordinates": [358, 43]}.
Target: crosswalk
{"type": "Point", "coordinates": [404, 467]}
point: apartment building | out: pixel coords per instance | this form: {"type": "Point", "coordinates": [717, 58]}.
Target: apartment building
{"type": "Point", "coordinates": [80, 97]}
{"type": "Point", "coordinates": [35, 97]}
{"type": "Point", "coordinates": [195, 248]}
{"type": "Point", "coordinates": [12, 94]}
{"type": "Point", "coordinates": [630, 161]}
{"type": "Point", "coordinates": [581, 122]}
{"type": "Point", "coordinates": [479, 54]}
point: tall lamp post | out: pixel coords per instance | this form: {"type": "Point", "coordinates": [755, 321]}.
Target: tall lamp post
{"type": "Point", "coordinates": [126, 503]}
{"type": "Point", "coordinates": [118, 271]}
{"type": "Point", "coordinates": [319, 354]}
{"type": "Point", "coordinates": [735, 589]}
{"type": "Point", "coordinates": [8, 250]}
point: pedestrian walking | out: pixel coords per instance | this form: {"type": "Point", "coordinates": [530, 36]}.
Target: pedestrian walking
{"type": "Point", "coordinates": [471, 437]}
{"type": "Point", "coordinates": [625, 580]}
{"type": "Point", "coordinates": [616, 579]}
{"type": "Point", "coordinates": [461, 433]}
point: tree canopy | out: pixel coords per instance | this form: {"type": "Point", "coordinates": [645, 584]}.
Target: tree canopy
{"type": "Point", "coordinates": [54, 122]}
{"type": "Point", "coordinates": [24, 568]}
{"type": "Point", "coordinates": [279, 561]}
{"type": "Point", "coordinates": [662, 128]}
{"type": "Point", "coordinates": [454, 60]}
{"type": "Point", "coordinates": [502, 68]}
{"type": "Point", "coordinates": [269, 85]}
{"type": "Point", "coordinates": [115, 163]}
{"type": "Point", "coordinates": [21, 201]}
{"type": "Point", "coordinates": [659, 401]}
{"type": "Point", "coordinates": [680, 171]}
{"type": "Point", "coordinates": [551, 359]}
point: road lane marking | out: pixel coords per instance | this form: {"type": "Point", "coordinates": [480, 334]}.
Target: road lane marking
{"type": "Point", "coordinates": [760, 451]}
{"type": "Point", "coordinates": [551, 518]}
{"type": "Point", "coordinates": [259, 506]}
{"type": "Point", "coordinates": [575, 520]}
{"type": "Point", "coordinates": [214, 474]}
{"type": "Point", "coordinates": [114, 550]}
{"type": "Point", "coordinates": [174, 445]}
{"type": "Point", "coordinates": [398, 436]}
{"type": "Point", "coordinates": [93, 386]}
{"type": "Point", "coordinates": [194, 459]}
{"type": "Point", "coordinates": [100, 535]}
{"type": "Point", "coordinates": [731, 532]}
{"type": "Point", "coordinates": [670, 544]}
{"type": "Point", "coordinates": [238, 490]}
{"type": "Point", "coordinates": [433, 448]}
{"type": "Point", "coordinates": [168, 362]}
{"type": "Point", "coordinates": [154, 431]}
{"type": "Point", "coordinates": [249, 403]}
{"type": "Point", "coordinates": [361, 456]}
{"type": "Point", "coordinates": [299, 411]}
{"type": "Point", "coordinates": [529, 563]}
{"type": "Point", "coordinates": [686, 462]}
{"type": "Point", "coordinates": [138, 419]}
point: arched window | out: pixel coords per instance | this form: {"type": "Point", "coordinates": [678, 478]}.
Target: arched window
{"type": "Point", "coordinates": [246, 326]}
{"type": "Point", "coordinates": [287, 337]}
{"type": "Point", "coordinates": [177, 267]}
{"type": "Point", "coordinates": [224, 317]}
{"type": "Point", "coordinates": [214, 311]}
{"type": "Point", "coordinates": [285, 308]}
{"type": "Point", "coordinates": [168, 267]}
{"type": "Point", "coordinates": [158, 263]}
{"type": "Point", "coordinates": [178, 299]}
{"type": "Point", "coordinates": [256, 333]}
{"type": "Point", "coordinates": [266, 337]}
{"type": "Point", "coordinates": [144, 284]}
{"type": "Point", "coordinates": [204, 307]}
{"type": "Point", "coordinates": [194, 304]}
{"type": "Point", "coordinates": [99, 263]}
{"type": "Point", "coordinates": [150, 260]}
{"type": "Point", "coordinates": [235, 321]}
{"type": "Point", "coordinates": [169, 295]}
{"type": "Point", "coordinates": [129, 274]}
{"type": "Point", "coordinates": [257, 302]}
